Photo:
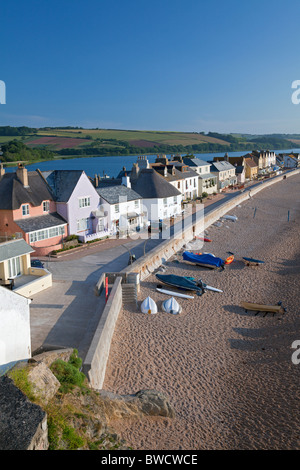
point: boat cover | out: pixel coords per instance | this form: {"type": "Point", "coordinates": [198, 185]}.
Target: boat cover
{"type": "Point", "coordinates": [179, 281]}
{"type": "Point", "coordinates": [204, 259]}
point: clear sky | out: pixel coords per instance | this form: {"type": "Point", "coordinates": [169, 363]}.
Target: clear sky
{"type": "Point", "coordinates": [179, 65]}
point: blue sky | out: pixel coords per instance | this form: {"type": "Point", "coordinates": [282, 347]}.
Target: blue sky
{"type": "Point", "coordinates": [179, 65]}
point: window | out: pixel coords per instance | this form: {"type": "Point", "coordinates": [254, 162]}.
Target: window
{"type": "Point", "coordinates": [25, 209]}
{"type": "Point", "coordinates": [46, 233]}
{"type": "Point", "coordinates": [175, 199]}
{"type": "Point", "coordinates": [46, 206]}
{"type": "Point", "coordinates": [165, 201]}
{"type": "Point", "coordinates": [84, 201]}
{"type": "Point", "coordinates": [117, 208]}
{"type": "Point", "coordinates": [136, 204]}
{"type": "Point", "coordinates": [83, 224]}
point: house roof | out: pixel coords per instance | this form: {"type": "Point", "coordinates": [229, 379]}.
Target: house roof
{"type": "Point", "coordinates": [250, 162]}
{"type": "Point", "coordinates": [207, 175]}
{"type": "Point", "coordinates": [239, 169]}
{"type": "Point", "coordinates": [195, 162]}
{"type": "Point", "coordinates": [13, 194]}
{"type": "Point", "coordinates": [221, 166]}
{"type": "Point", "coordinates": [112, 194]}
{"type": "Point", "coordinates": [151, 185]}
{"type": "Point", "coordinates": [14, 248]}
{"type": "Point", "coordinates": [62, 182]}
{"type": "Point", "coordinates": [31, 224]}
{"type": "Point", "coordinates": [173, 174]}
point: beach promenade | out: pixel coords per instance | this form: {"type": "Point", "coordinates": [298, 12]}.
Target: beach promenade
{"type": "Point", "coordinates": [229, 374]}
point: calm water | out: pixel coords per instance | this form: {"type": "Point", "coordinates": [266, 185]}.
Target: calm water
{"type": "Point", "coordinates": [113, 165]}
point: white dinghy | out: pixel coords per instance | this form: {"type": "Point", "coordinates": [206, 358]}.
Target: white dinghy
{"type": "Point", "coordinates": [171, 306]}
{"type": "Point", "coordinates": [148, 306]}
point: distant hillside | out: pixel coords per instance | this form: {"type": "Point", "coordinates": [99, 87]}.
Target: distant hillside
{"type": "Point", "coordinates": [69, 141]}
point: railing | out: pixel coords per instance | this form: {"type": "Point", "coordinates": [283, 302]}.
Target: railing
{"type": "Point", "coordinates": [6, 237]}
{"type": "Point", "coordinates": [94, 236]}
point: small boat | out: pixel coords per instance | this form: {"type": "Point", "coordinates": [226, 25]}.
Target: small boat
{"type": "Point", "coordinates": [171, 306]}
{"type": "Point", "coordinates": [230, 217]}
{"type": "Point", "coordinates": [204, 239]}
{"type": "Point", "coordinates": [180, 282]}
{"type": "Point", "coordinates": [175, 294]}
{"type": "Point", "coordinates": [252, 261]}
{"type": "Point", "coordinates": [229, 259]}
{"type": "Point", "coordinates": [206, 260]}
{"type": "Point", "coordinates": [148, 306]}
{"type": "Point", "coordinates": [264, 308]}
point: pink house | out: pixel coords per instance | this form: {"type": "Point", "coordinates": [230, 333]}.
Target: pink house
{"type": "Point", "coordinates": [27, 206]}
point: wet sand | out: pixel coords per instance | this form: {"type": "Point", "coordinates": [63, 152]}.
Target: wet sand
{"type": "Point", "coordinates": [228, 373]}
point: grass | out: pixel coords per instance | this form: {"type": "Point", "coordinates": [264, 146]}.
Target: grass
{"type": "Point", "coordinates": [172, 138]}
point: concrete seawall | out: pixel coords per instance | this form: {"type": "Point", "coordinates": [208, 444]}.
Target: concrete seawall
{"type": "Point", "coordinates": [95, 363]}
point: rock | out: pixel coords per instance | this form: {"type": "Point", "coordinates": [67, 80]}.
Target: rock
{"type": "Point", "coordinates": [44, 382]}
{"type": "Point", "coordinates": [48, 357]}
{"type": "Point", "coordinates": [23, 425]}
{"type": "Point", "coordinates": [143, 403]}
{"type": "Point", "coordinates": [154, 403]}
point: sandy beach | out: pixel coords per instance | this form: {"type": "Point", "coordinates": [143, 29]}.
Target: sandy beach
{"type": "Point", "coordinates": [228, 373]}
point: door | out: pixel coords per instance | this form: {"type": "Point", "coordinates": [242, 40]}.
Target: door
{"type": "Point", "coordinates": [14, 267]}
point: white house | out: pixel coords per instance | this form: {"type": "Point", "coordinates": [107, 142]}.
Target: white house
{"type": "Point", "coordinates": [121, 206]}
{"type": "Point", "coordinates": [161, 200]}
{"type": "Point", "coordinates": [207, 182]}
{"type": "Point", "coordinates": [179, 175]}
{"type": "Point", "coordinates": [15, 338]}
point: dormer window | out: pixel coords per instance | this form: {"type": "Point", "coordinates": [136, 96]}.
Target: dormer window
{"type": "Point", "coordinates": [84, 201]}
{"type": "Point", "coordinates": [46, 206]}
{"type": "Point", "coordinates": [25, 209]}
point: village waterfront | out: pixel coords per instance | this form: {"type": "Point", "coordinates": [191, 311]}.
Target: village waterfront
{"type": "Point", "coordinates": [111, 166]}
{"type": "Point", "coordinates": [228, 373]}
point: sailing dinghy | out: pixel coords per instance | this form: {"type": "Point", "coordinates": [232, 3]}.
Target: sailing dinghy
{"type": "Point", "coordinates": [171, 306]}
{"type": "Point", "coordinates": [148, 306]}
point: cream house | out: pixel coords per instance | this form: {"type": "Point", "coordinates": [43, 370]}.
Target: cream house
{"type": "Point", "coordinates": [207, 182]}
{"type": "Point", "coordinates": [225, 173]}
{"type": "Point", "coordinates": [16, 272]}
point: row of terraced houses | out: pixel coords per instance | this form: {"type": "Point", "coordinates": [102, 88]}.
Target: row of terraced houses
{"type": "Point", "coordinates": [44, 208]}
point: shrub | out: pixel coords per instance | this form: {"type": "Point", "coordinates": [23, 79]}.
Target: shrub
{"type": "Point", "coordinates": [68, 374]}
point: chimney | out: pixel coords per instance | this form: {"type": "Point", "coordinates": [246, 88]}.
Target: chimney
{"type": "Point", "coordinates": [22, 175]}
{"type": "Point", "coordinates": [135, 171]}
{"type": "Point", "coordinates": [126, 181]}
{"type": "Point", "coordinates": [2, 170]}
{"type": "Point", "coordinates": [143, 163]}
{"type": "Point", "coordinates": [96, 181]}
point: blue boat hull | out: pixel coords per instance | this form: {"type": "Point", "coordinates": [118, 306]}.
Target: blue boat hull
{"type": "Point", "coordinates": [206, 260]}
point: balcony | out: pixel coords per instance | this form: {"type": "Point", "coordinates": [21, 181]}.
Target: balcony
{"type": "Point", "coordinates": [36, 280]}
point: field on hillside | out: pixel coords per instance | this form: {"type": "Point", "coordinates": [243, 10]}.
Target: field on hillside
{"type": "Point", "coordinates": [137, 138]}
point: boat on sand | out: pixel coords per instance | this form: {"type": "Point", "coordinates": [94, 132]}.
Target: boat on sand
{"type": "Point", "coordinates": [148, 306]}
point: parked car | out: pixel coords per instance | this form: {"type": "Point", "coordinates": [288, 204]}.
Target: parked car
{"type": "Point", "coordinates": [36, 263]}
{"type": "Point", "coordinates": [156, 227]}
